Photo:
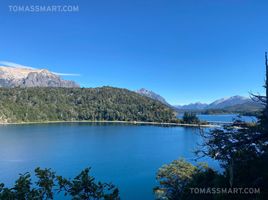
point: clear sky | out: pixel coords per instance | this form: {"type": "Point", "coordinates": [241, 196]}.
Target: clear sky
{"type": "Point", "coordinates": [186, 51]}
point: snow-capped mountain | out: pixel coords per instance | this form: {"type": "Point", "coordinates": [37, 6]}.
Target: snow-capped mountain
{"type": "Point", "coordinates": [229, 103]}
{"type": "Point", "coordinates": [27, 77]}
{"type": "Point", "coordinates": [219, 104]}
{"type": "Point", "coordinates": [226, 102]}
{"type": "Point", "coordinates": [152, 95]}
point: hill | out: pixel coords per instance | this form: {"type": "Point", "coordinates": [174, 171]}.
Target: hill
{"type": "Point", "coordinates": [67, 104]}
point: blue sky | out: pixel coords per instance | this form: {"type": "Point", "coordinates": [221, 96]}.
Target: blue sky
{"type": "Point", "coordinates": [186, 51]}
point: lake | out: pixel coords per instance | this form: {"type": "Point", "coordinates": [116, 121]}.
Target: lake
{"type": "Point", "coordinates": [223, 117]}
{"type": "Point", "coordinates": [126, 155]}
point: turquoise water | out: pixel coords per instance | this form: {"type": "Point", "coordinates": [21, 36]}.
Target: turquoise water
{"type": "Point", "coordinates": [127, 155]}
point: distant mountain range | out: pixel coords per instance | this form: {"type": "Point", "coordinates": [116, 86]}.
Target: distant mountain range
{"type": "Point", "coordinates": [218, 104]}
{"type": "Point", "coordinates": [226, 102]}
{"type": "Point", "coordinates": [231, 104]}
{"type": "Point", "coordinates": [192, 106]}
{"type": "Point", "coordinates": [26, 77]}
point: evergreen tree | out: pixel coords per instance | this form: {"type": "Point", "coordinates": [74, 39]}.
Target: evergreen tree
{"type": "Point", "coordinates": [190, 118]}
{"type": "Point", "coordinates": [82, 187]}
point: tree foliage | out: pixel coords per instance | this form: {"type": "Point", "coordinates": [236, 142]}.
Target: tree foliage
{"type": "Point", "coordinates": [49, 185]}
{"type": "Point", "coordinates": [70, 104]}
{"type": "Point", "coordinates": [190, 118]}
{"type": "Point", "coordinates": [173, 178]}
{"type": "Point", "coordinates": [177, 178]}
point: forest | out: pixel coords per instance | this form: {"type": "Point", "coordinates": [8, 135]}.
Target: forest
{"type": "Point", "coordinates": [79, 104]}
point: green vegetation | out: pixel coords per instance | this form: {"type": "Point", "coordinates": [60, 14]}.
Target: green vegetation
{"type": "Point", "coordinates": [242, 151]}
{"type": "Point", "coordinates": [177, 179]}
{"type": "Point", "coordinates": [82, 187]}
{"type": "Point", "coordinates": [190, 118]}
{"type": "Point", "coordinates": [232, 111]}
{"type": "Point", "coordinates": [73, 104]}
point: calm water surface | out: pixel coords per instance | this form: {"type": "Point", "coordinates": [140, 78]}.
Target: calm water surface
{"type": "Point", "coordinates": [127, 155]}
{"type": "Point", "coordinates": [223, 117]}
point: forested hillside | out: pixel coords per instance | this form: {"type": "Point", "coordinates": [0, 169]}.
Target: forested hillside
{"type": "Point", "coordinates": [67, 104]}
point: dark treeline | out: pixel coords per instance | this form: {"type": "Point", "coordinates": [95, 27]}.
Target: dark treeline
{"type": "Point", "coordinates": [223, 111]}
{"type": "Point", "coordinates": [67, 104]}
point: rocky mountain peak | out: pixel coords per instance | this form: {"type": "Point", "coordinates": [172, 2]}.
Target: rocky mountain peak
{"type": "Point", "coordinates": [28, 77]}
{"type": "Point", "coordinates": [152, 95]}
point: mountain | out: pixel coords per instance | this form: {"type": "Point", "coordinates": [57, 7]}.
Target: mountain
{"type": "Point", "coordinates": [232, 104]}
{"type": "Point", "coordinates": [192, 106]}
{"type": "Point", "coordinates": [26, 77]}
{"type": "Point", "coordinates": [245, 107]}
{"type": "Point", "coordinates": [71, 104]}
{"type": "Point", "coordinates": [226, 102]}
{"type": "Point", "coordinates": [152, 95]}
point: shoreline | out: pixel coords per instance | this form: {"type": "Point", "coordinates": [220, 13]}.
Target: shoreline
{"type": "Point", "coordinates": [119, 122]}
